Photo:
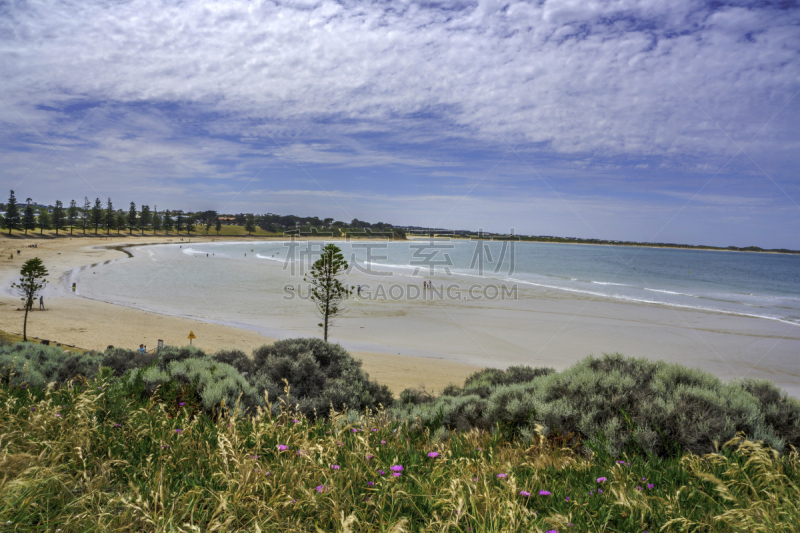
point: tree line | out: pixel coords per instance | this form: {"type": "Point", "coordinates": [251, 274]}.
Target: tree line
{"type": "Point", "coordinates": [100, 217]}
{"type": "Point", "coordinates": [103, 217]}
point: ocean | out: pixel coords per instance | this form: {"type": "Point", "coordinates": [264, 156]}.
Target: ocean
{"type": "Point", "coordinates": [168, 278]}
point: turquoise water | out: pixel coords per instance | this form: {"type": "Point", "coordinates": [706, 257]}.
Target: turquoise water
{"type": "Point", "coordinates": [751, 284]}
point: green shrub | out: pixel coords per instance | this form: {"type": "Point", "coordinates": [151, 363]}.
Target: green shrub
{"type": "Point", "coordinates": [321, 375]}
{"type": "Point", "coordinates": [235, 358]}
{"type": "Point", "coordinates": [211, 380]}
{"type": "Point", "coordinates": [616, 403]}
{"type": "Point", "coordinates": [121, 360]}
{"type": "Point", "coordinates": [37, 364]}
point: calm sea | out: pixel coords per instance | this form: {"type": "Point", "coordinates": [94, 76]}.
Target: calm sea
{"type": "Point", "coordinates": [169, 278]}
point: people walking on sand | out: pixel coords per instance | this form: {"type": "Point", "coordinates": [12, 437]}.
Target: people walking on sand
{"type": "Point", "coordinates": [41, 303]}
{"type": "Point", "coordinates": [359, 290]}
{"type": "Point", "coordinates": [141, 349]}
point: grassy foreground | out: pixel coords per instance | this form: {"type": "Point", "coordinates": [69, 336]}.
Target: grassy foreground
{"type": "Point", "coordinates": [95, 457]}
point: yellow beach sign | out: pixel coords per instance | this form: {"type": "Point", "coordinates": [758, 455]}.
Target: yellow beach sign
{"type": "Point", "coordinates": [191, 336]}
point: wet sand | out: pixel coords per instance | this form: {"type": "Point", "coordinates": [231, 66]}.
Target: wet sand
{"type": "Point", "coordinates": [425, 343]}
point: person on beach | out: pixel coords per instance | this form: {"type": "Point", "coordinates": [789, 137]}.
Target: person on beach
{"type": "Point", "coordinates": [41, 303]}
{"type": "Point", "coordinates": [359, 290]}
{"type": "Point", "coordinates": [141, 348]}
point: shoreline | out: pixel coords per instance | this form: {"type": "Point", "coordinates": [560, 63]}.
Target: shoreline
{"type": "Point", "coordinates": [94, 324]}
{"type": "Point", "coordinates": [411, 344]}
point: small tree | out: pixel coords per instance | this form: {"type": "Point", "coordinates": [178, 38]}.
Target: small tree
{"type": "Point", "coordinates": [12, 214]}
{"type": "Point", "coordinates": [218, 225]}
{"type": "Point", "coordinates": [131, 218]}
{"type": "Point", "coordinates": [110, 217]}
{"type": "Point", "coordinates": [72, 215]}
{"type": "Point", "coordinates": [179, 223]}
{"type": "Point", "coordinates": [250, 224]}
{"type": "Point", "coordinates": [97, 214]}
{"type": "Point", "coordinates": [29, 218]}
{"type": "Point", "coordinates": [189, 223]}
{"type": "Point", "coordinates": [327, 291]}
{"type": "Point", "coordinates": [168, 222]}
{"type": "Point", "coordinates": [208, 222]}
{"type": "Point", "coordinates": [44, 221]}
{"type": "Point", "coordinates": [31, 281]}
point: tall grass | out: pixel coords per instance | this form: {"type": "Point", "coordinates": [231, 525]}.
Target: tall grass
{"type": "Point", "coordinates": [96, 456]}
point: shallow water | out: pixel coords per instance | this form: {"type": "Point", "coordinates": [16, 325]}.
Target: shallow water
{"type": "Point", "coordinates": [230, 282]}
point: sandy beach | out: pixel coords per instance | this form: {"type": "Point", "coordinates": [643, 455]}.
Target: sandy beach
{"type": "Point", "coordinates": [93, 324]}
{"type": "Point", "coordinates": [407, 343]}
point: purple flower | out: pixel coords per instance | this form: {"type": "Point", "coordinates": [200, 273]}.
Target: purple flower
{"type": "Point", "coordinates": [638, 488]}
{"type": "Point", "coordinates": [256, 457]}
{"type": "Point", "coordinates": [396, 468]}
{"type": "Point", "coordinates": [370, 484]}
{"type": "Point", "coordinates": [322, 488]}
{"type": "Point", "coordinates": [381, 472]}
{"type": "Point", "coordinates": [474, 479]}
{"type": "Point", "coordinates": [552, 531]}
{"type": "Point", "coordinates": [524, 493]}
{"type": "Point", "coordinates": [601, 479]}
{"type": "Point", "coordinates": [369, 456]}
{"type": "Point", "coordinates": [179, 431]}
{"type": "Point", "coordinates": [397, 474]}
{"type": "Point", "coordinates": [566, 499]}
{"type": "Point", "coordinates": [354, 430]}
{"type": "Point", "coordinates": [374, 429]}
{"type": "Point", "coordinates": [117, 425]}
{"type": "Point", "coordinates": [650, 485]}
{"type": "Point", "coordinates": [383, 442]}
{"type": "Point", "coordinates": [182, 404]}
{"type": "Point", "coordinates": [334, 467]}
{"type": "Point", "coordinates": [297, 422]}
{"type": "Point", "coordinates": [502, 475]}
{"type": "Point", "coordinates": [544, 493]}
{"type": "Point", "coordinates": [58, 415]}
{"type": "Point", "coordinates": [433, 455]}
{"type": "Point", "coordinates": [599, 491]}
{"type": "Point", "coordinates": [282, 448]}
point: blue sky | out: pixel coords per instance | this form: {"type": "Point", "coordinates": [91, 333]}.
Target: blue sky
{"type": "Point", "coordinates": [637, 120]}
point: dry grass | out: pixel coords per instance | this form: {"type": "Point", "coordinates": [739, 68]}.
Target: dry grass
{"type": "Point", "coordinates": [92, 458]}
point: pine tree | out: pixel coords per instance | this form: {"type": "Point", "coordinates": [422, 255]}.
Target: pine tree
{"type": "Point", "coordinates": [131, 218]}
{"type": "Point", "coordinates": [85, 215]}
{"type": "Point", "coordinates": [12, 214]}
{"type": "Point", "coordinates": [97, 214]}
{"type": "Point", "coordinates": [327, 291]}
{"type": "Point", "coordinates": [58, 216]}
{"type": "Point", "coordinates": [145, 219]}
{"type": "Point", "coordinates": [110, 217]}
{"type": "Point", "coordinates": [72, 214]}
{"type": "Point", "coordinates": [29, 218]}
{"type": "Point", "coordinates": [44, 221]}
{"type": "Point", "coordinates": [168, 225]}
{"type": "Point", "coordinates": [218, 225]}
{"type": "Point", "coordinates": [189, 224]}
{"type": "Point", "coordinates": [119, 220]}
{"type": "Point", "coordinates": [31, 281]}
{"type": "Point", "coordinates": [179, 223]}
{"type": "Point", "coordinates": [156, 220]}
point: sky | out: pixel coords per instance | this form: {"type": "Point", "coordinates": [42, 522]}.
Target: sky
{"type": "Point", "coordinates": [647, 120]}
